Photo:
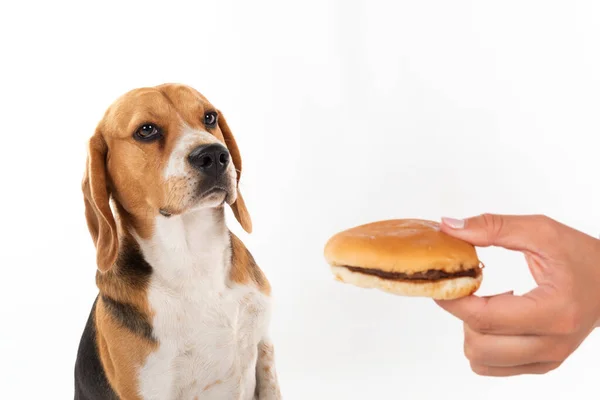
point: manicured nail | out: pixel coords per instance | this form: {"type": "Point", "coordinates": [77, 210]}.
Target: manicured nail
{"type": "Point", "coordinates": [454, 223]}
{"type": "Point", "coordinates": [509, 293]}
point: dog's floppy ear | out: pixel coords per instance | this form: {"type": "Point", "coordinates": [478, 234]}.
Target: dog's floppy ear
{"type": "Point", "coordinates": [100, 220]}
{"type": "Point", "coordinates": [239, 207]}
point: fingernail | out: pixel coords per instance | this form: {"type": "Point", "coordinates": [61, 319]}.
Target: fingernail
{"type": "Point", "coordinates": [454, 223]}
{"type": "Point", "coordinates": [509, 293]}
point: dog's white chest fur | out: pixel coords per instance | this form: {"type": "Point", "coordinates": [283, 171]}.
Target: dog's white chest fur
{"type": "Point", "coordinates": [208, 328]}
{"type": "Point", "coordinates": [208, 344]}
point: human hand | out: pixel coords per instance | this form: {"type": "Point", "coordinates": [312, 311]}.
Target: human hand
{"type": "Point", "coordinates": [507, 335]}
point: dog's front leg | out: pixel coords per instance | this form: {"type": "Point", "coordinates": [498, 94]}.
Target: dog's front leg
{"type": "Point", "coordinates": [267, 384]}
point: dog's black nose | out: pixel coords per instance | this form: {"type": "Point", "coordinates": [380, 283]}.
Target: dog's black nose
{"type": "Point", "coordinates": [211, 159]}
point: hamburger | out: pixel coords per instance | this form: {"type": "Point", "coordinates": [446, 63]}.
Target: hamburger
{"type": "Point", "coordinates": [406, 257]}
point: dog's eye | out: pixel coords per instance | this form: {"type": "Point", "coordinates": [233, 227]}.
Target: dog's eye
{"type": "Point", "coordinates": [148, 132]}
{"type": "Point", "coordinates": [210, 119]}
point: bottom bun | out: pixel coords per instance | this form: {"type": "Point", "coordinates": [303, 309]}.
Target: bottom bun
{"type": "Point", "coordinates": [446, 289]}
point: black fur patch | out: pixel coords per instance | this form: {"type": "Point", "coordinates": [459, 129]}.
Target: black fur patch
{"type": "Point", "coordinates": [131, 266]}
{"type": "Point", "coordinates": [129, 316]}
{"type": "Point", "coordinates": [90, 380]}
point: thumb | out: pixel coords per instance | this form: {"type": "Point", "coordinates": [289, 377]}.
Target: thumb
{"type": "Point", "coordinates": [515, 232]}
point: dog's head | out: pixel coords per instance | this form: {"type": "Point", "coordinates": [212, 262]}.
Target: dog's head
{"type": "Point", "coordinates": [163, 151]}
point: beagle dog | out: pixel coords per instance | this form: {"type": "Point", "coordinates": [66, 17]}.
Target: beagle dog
{"type": "Point", "coordinates": [183, 310]}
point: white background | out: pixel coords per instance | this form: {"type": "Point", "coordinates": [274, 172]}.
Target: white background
{"type": "Point", "coordinates": [345, 112]}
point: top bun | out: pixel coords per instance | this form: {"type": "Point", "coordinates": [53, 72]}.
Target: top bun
{"type": "Point", "coordinates": [400, 245]}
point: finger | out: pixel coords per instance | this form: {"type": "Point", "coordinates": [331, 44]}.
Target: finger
{"type": "Point", "coordinates": [531, 314]}
{"type": "Point", "coordinates": [523, 233]}
{"type": "Point", "coordinates": [513, 351]}
{"type": "Point", "coordinates": [530, 369]}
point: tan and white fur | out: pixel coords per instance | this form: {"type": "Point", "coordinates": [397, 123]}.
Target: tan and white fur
{"type": "Point", "coordinates": [183, 310]}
